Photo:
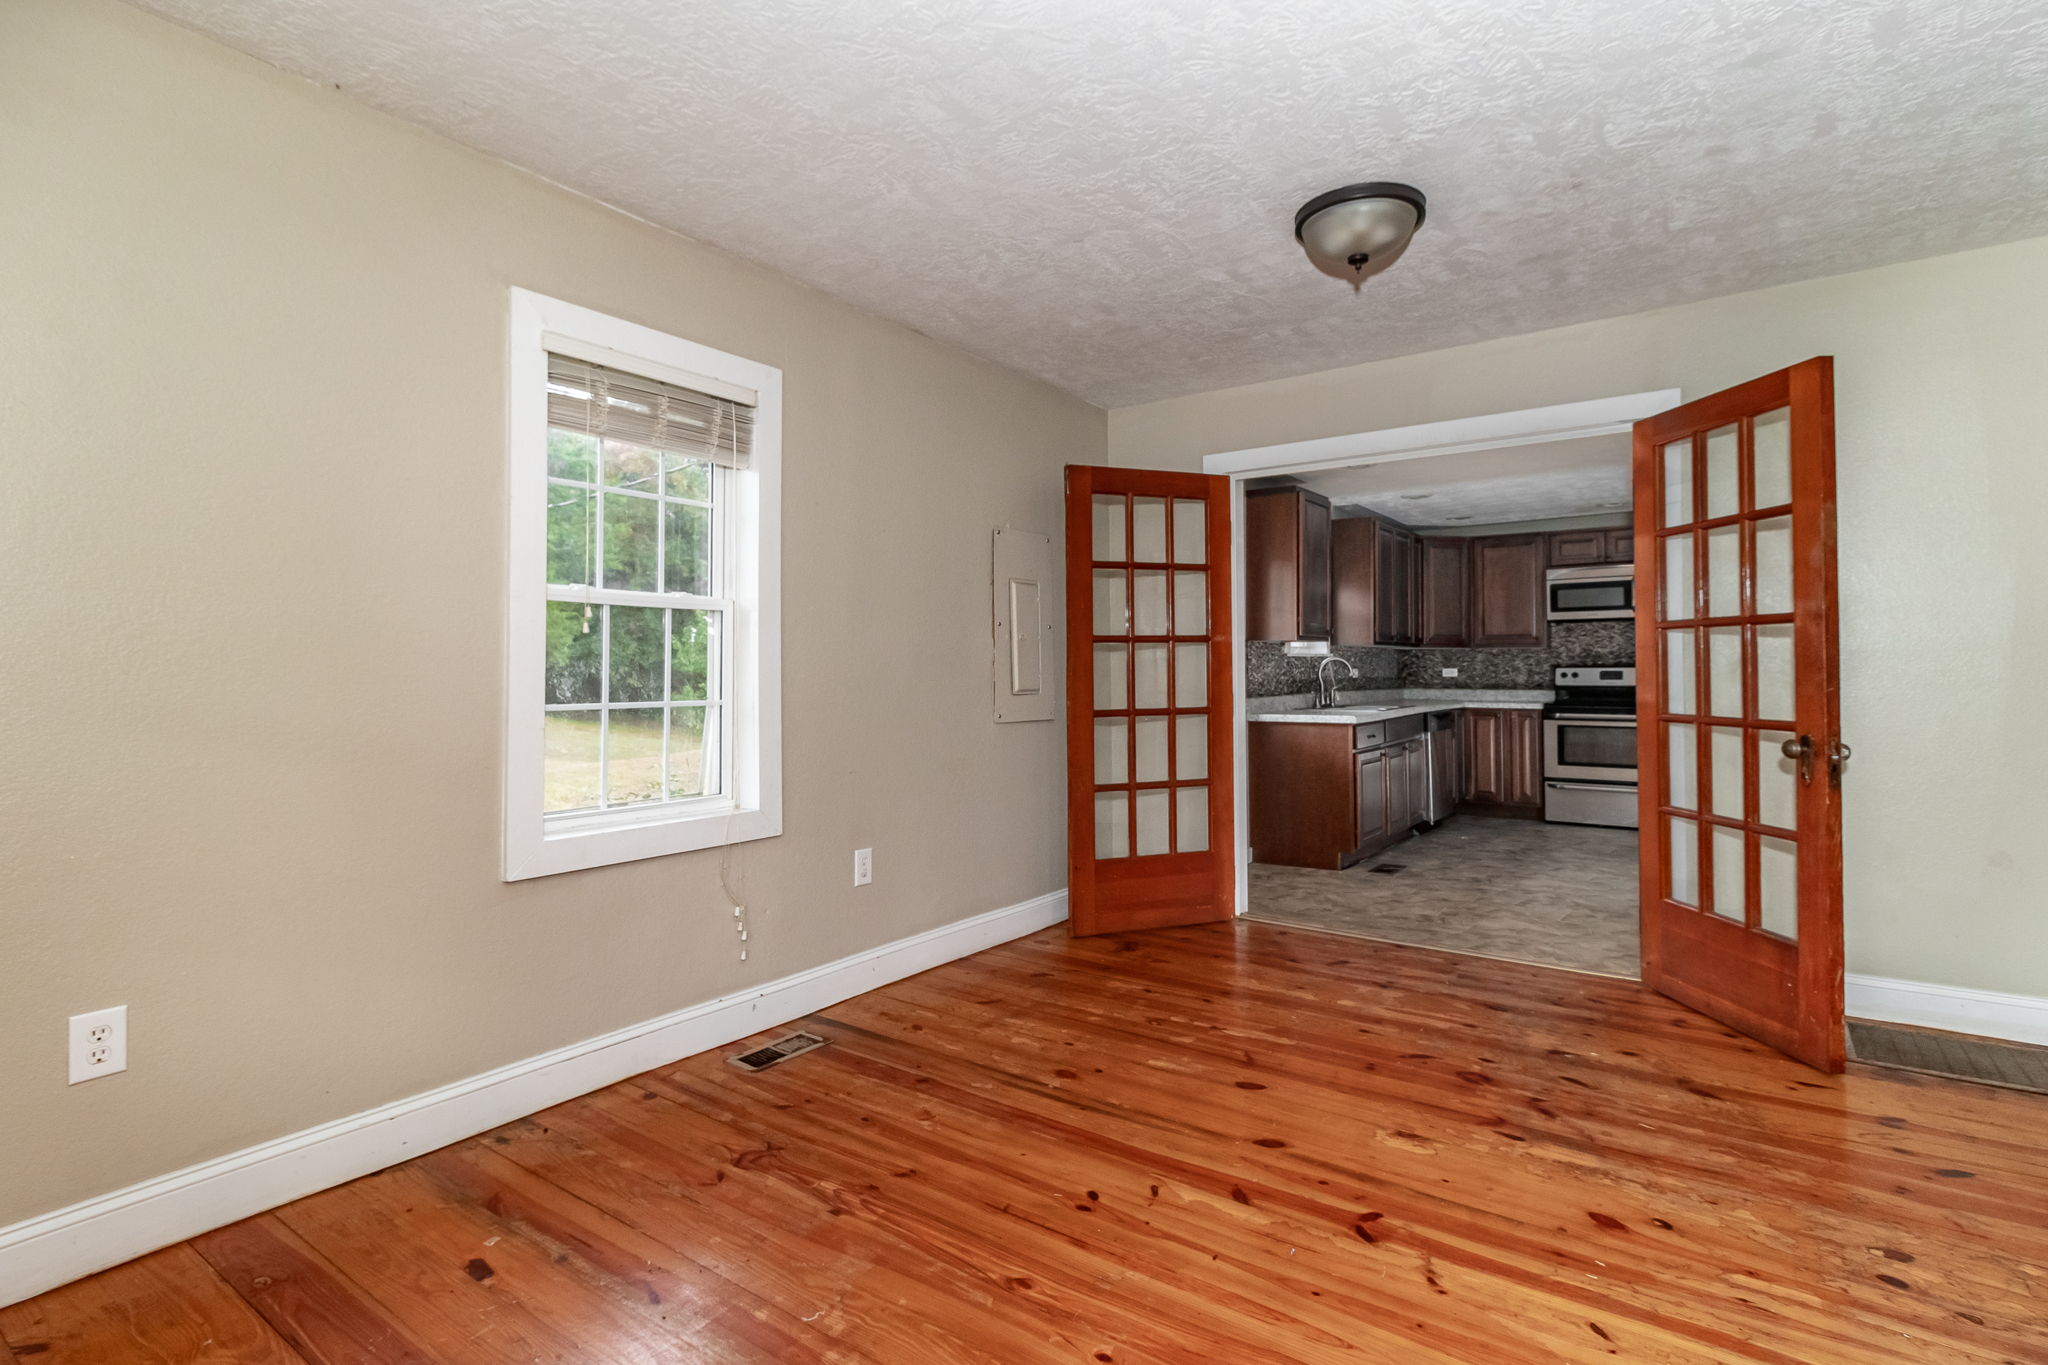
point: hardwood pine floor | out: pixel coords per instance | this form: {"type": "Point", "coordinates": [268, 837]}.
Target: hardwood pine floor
{"type": "Point", "coordinates": [1240, 1143]}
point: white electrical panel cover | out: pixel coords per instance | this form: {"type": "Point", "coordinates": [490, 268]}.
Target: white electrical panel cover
{"type": "Point", "coordinates": [1025, 614]}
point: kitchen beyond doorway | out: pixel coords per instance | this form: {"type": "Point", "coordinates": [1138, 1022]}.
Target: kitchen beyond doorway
{"type": "Point", "coordinates": [1553, 895]}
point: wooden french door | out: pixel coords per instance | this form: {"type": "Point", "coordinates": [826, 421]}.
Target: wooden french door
{"type": "Point", "coordinates": [1150, 814]}
{"type": "Point", "coordinates": [1741, 749]}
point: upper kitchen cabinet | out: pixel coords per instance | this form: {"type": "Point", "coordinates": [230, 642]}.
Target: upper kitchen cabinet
{"type": "Point", "coordinates": [1569, 549]}
{"type": "Point", "coordinates": [1286, 565]}
{"type": "Point", "coordinates": [1508, 606]}
{"type": "Point", "coordinates": [1376, 579]}
{"type": "Point", "coordinates": [1446, 592]}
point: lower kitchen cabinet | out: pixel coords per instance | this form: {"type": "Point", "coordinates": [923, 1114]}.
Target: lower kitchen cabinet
{"type": "Point", "coordinates": [1329, 795]}
{"type": "Point", "coordinates": [1503, 759]}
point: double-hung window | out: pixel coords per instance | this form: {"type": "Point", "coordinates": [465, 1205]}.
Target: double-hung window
{"type": "Point", "coordinates": [641, 660]}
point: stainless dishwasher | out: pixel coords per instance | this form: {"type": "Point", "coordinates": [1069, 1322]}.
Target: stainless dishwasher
{"type": "Point", "coordinates": [1440, 738]}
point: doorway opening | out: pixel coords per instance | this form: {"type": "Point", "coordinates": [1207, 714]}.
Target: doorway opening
{"type": "Point", "coordinates": [1468, 684]}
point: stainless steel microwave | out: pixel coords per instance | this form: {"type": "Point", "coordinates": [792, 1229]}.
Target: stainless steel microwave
{"type": "Point", "coordinates": [1596, 592]}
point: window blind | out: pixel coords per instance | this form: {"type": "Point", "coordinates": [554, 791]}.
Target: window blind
{"type": "Point", "coordinates": [601, 401]}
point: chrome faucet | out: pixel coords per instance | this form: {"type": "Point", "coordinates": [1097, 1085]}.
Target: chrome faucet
{"type": "Point", "coordinates": [1326, 694]}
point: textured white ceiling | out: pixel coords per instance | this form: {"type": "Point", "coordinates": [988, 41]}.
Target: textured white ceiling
{"type": "Point", "coordinates": [1101, 192]}
{"type": "Point", "coordinates": [1489, 487]}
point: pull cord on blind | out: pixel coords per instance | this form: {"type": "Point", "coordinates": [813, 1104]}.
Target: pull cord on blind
{"type": "Point", "coordinates": [601, 401]}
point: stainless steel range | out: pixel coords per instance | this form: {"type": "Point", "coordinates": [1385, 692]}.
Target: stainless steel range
{"type": "Point", "coordinates": [1589, 748]}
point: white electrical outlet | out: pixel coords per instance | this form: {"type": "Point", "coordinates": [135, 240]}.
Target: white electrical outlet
{"type": "Point", "coordinates": [863, 866]}
{"type": "Point", "coordinates": [99, 1043]}
{"type": "Point", "coordinates": [1450, 673]}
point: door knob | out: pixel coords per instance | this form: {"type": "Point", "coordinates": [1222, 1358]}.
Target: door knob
{"type": "Point", "coordinates": [1801, 748]}
{"type": "Point", "coordinates": [1838, 754]}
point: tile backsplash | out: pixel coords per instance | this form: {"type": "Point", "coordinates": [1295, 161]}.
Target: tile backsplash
{"type": "Point", "coordinates": [1573, 644]}
{"type": "Point", "coordinates": [1269, 672]}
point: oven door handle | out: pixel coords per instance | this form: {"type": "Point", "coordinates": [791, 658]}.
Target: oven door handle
{"type": "Point", "coordinates": [1628, 724]}
{"type": "Point", "coordinates": [1629, 787]}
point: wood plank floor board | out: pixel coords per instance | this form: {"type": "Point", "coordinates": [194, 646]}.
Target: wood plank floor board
{"type": "Point", "coordinates": [166, 1308]}
{"type": "Point", "coordinates": [1239, 1143]}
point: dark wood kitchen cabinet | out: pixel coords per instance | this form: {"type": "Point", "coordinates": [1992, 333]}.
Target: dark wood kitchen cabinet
{"type": "Point", "coordinates": [1502, 752]}
{"type": "Point", "coordinates": [1327, 795]}
{"type": "Point", "coordinates": [1446, 594]}
{"type": "Point", "coordinates": [1286, 565]}
{"type": "Point", "coordinates": [1376, 580]}
{"type": "Point", "coordinates": [1508, 598]}
{"type": "Point", "coordinates": [1569, 549]}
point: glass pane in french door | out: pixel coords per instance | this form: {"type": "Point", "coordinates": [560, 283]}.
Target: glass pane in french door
{"type": "Point", "coordinates": [1151, 614]}
{"type": "Point", "coordinates": [1728, 673]}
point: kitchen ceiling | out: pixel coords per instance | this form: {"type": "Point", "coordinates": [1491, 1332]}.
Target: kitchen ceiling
{"type": "Point", "coordinates": [1585, 476]}
{"type": "Point", "coordinates": [1100, 192]}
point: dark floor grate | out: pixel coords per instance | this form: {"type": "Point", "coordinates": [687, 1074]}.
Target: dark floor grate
{"type": "Point", "coordinates": [1388, 868]}
{"type": "Point", "coordinates": [2018, 1065]}
{"type": "Point", "coordinates": [781, 1050]}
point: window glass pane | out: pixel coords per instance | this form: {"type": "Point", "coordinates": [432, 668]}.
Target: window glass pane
{"type": "Point", "coordinates": [1112, 677]}
{"type": "Point", "coordinates": [1148, 602]}
{"type": "Point", "coordinates": [1190, 531]}
{"type": "Point", "coordinates": [1152, 749]}
{"type": "Point", "coordinates": [1724, 670]}
{"type": "Point", "coordinates": [1775, 698]}
{"type": "Point", "coordinates": [692, 752]}
{"type": "Point", "coordinates": [1681, 676]}
{"type": "Point", "coordinates": [631, 542]}
{"type": "Point", "coordinates": [1190, 603]}
{"type": "Point", "coordinates": [1112, 750]}
{"type": "Point", "coordinates": [632, 756]}
{"type": "Point", "coordinates": [1724, 488]}
{"type": "Point", "coordinates": [1725, 748]}
{"type": "Point", "coordinates": [575, 654]}
{"type": "Point", "coordinates": [572, 534]}
{"type": "Point", "coordinates": [1724, 571]}
{"type": "Point", "coordinates": [1151, 671]}
{"type": "Point", "coordinates": [1730, 873]}
{"type": "Point", "coordinates": [1111, 586]}
{"type": "Point", "coordinates": [1192, 817]}
{"type": "Point", "coordinates": [629, 466]}
{"type": "Point", "coordinates": [1682, 784]}
{"type": "Point", "coordinates": [1678, 483]}
{"type": "Point", "coordinates": [685, 477]}
{"type": "Point", "coordinates": [1190, 746]}
{"type": "Point", "coordinates": [692, 654]}
{"type": "Point", "coordinates": [1774, 565]}
{"type": "Point", "coordinates": [688, 563]}
{"type": "Point", "coordinates": [1684, 868]}
{"type": "Point", "coordinates": [636, 663]}
{"type": "Point", "coordinates": [572, 455]}
{"type": "Point", "coordinates": [1191, 675]}
{"type": "Point", "coordinates": [1148, 530]}
{"type": "Point", "coordinates": [1678, 581]}
{"type": "Point", "coordinates": [1153, 804]}
{"type": "Point", "coordinates": [1777, 781]}
{"type": "Point", "coordinates": [1112, 824]}
{"type": "Point", "coordinates": [569, 763]}
{"type": "Point", "coordinates": [1778, 886]}
{"type": "Point", "coordinates": [1772, 439]}
{"type": "Point", "coordinates": [1108, 515]}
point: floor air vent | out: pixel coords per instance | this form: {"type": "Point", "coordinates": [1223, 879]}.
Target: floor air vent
{"type": "Point", "coordinates": [781, 1050]}
{"type": "Point", "coordinates": [2019, 1066]}
{"type": "Point", "coordinates": [1388, 869]}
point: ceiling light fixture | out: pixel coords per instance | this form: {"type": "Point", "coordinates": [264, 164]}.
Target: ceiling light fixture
{"type": "Point", "coordinates": [1359, 230]}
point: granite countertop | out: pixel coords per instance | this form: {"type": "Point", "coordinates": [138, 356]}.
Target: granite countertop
{"type": "Point", "coordinates": [1365, 708]}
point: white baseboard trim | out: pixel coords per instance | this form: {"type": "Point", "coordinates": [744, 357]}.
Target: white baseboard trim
{"type": "Point", "coordinates": [56, 1248]}
{"type": "Point", "coordinates": [1989, 1014]}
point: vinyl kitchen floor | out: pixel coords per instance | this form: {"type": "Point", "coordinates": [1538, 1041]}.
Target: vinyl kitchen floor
{"type": "Point", "coordinates": [1553, 895]}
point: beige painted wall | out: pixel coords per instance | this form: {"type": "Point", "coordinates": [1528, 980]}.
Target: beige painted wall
{"type": "Point", "coordinates": [1942, 400]}
{"type": "Point", "coordinates": [251, 441]}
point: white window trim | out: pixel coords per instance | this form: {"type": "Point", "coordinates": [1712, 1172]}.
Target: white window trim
{"type": "Point", "coordinates": [538, 325]}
